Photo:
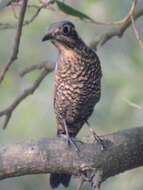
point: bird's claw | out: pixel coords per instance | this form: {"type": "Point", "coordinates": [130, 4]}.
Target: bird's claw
{"type": "Point", "coordinates": [70, 141]}
{"type": "Point", "coordinates": [98, 139]}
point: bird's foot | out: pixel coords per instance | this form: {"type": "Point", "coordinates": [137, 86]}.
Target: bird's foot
{"type": "Point", "coordinates": [98, 139]}
{"type": "Point", "coordinates": [70, 141]}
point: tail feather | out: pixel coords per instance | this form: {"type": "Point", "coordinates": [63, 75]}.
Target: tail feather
{"type": "Point", "coordinates": [57, 179]}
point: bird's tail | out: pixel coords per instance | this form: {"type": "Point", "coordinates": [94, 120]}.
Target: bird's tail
{"type": "Point", "coordinates": [57, 179]}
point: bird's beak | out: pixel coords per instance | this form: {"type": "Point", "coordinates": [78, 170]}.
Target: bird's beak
{"type": "Point", "coordinates": [47, 37]}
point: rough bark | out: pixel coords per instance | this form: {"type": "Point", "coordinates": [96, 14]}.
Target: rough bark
{"type": "Point", "coordinates": [123, 151]}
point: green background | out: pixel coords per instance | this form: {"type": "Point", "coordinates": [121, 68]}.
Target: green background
{"type": "Point", "coordinates": [122, 64]}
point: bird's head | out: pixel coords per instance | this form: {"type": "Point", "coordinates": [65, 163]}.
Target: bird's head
{"type": "Point", "coordinates": [63, 35]}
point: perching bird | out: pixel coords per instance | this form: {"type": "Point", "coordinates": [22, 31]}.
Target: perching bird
{"type": "Point", "coordinates": [77, 84]}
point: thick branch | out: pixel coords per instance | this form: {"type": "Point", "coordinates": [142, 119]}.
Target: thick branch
{"type": "Point", "coordinates": [124, 151]}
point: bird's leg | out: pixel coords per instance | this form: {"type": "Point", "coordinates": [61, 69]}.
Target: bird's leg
{"type": "Point", "coordinates": [96, 137]}
{"type": "Point", "coordinates": [70, 140]}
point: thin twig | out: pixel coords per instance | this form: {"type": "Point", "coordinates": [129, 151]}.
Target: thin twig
{"type": "Point", "coordinates": [10, 109]}
{"type": "Point", "coordinates": [119, 22]}
{"type": "Point", "coordinates": [34, 16]}
{"type": "Point", "coordinates": [136, 32]}
{"type": "Point", "coordinates": [16, 41]}
{"type": "Point", "coordinates": [7, 26]}
{"type": "Point", "coordinates": [134, 26]}
{"type": "Point", "coordinates": [103, 39]}
{"type": "Point", "coordinates": [46, 5]}
{"type": "Point", "coordinates": [43, 65]}
{"type": "Point", "coordinates": [119, 31]}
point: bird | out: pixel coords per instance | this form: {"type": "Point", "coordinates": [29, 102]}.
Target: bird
{"type": "Point", "coordinates": [78, 76]}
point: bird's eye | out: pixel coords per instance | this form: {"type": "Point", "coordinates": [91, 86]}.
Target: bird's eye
{"type": "Point", "coordinates": [66, 29]}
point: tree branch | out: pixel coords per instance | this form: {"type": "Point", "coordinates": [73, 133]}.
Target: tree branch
{"type": "Point", "coordinates": [44, 65]}
{"type": "Point", "coordinates": [116, 32]}
{"type": "Point", "coordinates": [10, 109]}
{"type": "Point", "coordinates": [102, 40]}
{"type": "Point", "coordinates": [124, 151]}
{"type": "Point", "coordinates": [8, 26]}
{"type": "Point", "coordinates": [16, 41]}
{"type": "Point", "coordinates": [136, 32]}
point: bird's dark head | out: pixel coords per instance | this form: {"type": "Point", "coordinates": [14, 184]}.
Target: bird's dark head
{"type": "Point", "coordinates": [63, 35]}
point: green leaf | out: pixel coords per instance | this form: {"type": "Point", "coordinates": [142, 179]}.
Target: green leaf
{"type": "Point", "coordinates": [71, 11]}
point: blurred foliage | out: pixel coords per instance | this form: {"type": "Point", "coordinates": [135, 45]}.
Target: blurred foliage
{"type": "Point", "coordinates": [71, 11]}
{"type": "Point", "coordinates": [121, 105]}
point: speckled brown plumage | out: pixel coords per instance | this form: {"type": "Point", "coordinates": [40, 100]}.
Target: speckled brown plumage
{"type": "Point", "coordinates": [77, 88]}
{"type": "Point", "coordinates": [77, 79]}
